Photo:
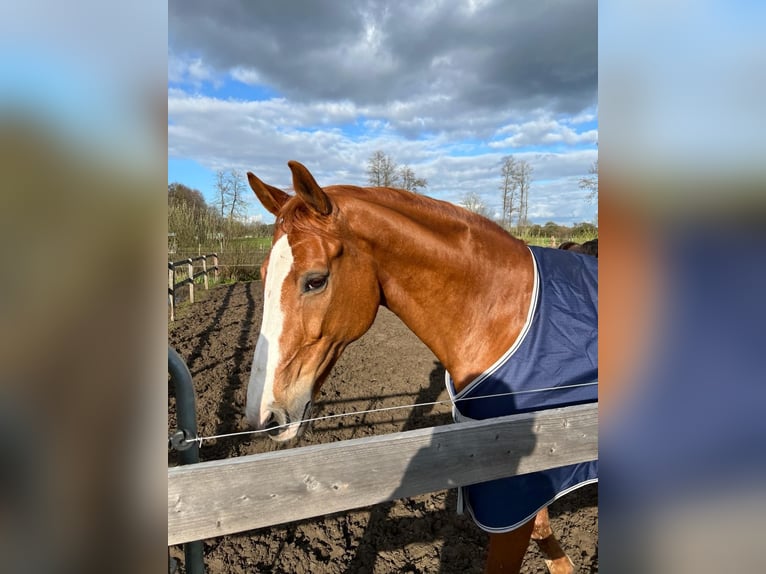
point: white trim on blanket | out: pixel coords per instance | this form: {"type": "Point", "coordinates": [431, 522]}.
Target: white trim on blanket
{"type": "Point", "coordinates": [457, 416]}
{"type": "Point", "coordinates": [464, 505]}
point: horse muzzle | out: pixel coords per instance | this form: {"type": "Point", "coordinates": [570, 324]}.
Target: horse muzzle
{"type": "Point", "coordinates": [277, 422]}
{"type": "Point", "coordinates": [280, 424]}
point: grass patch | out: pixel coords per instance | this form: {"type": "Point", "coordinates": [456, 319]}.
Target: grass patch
{"type": "Point", "coordinates": [260, 243]}
{"type": "Point", "coordinates": [542, 241]}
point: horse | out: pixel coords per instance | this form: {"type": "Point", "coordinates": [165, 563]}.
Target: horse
{"type": "Point", "coordinates": [588, 248]}
{"type": "Point", "coordinates": [569, 246]}
{"type": "Point", "coordinates": [340, 252]}
{"type": "Point", "coordinates": [591, 247]}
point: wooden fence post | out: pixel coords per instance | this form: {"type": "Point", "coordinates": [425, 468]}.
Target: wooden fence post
{"type": "Point", "coordinates": [189, 263]}
{"type": "Point", "coordinates": [190, 267]}
{"type": "Point", "coordinates": [172, 290]}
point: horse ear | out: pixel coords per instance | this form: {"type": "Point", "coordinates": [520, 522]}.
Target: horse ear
{"type": "Point", "coordinates": [308, 189]}
{"type": "Point", "coordinates": [271, 197]}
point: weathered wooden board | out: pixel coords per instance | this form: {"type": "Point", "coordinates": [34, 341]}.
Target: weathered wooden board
{"type": "Point", "coordinates": [222, 497]}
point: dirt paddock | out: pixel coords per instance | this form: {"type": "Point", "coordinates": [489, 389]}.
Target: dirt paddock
{"type": "Point", "coordinates": [388, 366]}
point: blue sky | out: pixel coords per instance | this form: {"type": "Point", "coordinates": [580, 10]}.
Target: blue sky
{"type": "Point", "coordinates": [448, 88]}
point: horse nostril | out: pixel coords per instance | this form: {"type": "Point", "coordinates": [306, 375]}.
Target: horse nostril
{"type": "Point", "coordinates": [273, 423]}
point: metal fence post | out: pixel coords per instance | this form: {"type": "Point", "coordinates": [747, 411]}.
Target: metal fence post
{"type": "Point", "coordinates": [186, 417]}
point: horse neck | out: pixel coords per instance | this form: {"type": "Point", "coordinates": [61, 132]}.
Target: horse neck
{"type": "Point", "coordinates": [458, 281]}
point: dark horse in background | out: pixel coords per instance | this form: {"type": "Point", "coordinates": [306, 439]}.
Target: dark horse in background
{"type": "Point", "coordinates": [463, 285]}
{"type": "Point", "coordinates": [587, 248]}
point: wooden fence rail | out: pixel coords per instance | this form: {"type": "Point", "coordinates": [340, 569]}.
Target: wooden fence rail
{"type": "Point", "coordinates": [191, 276]}
{"type": "Point", "coordinates": [233, 495]}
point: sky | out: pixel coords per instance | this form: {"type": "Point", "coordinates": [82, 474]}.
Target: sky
{"type": "Point", "coordinates": [449, 88]}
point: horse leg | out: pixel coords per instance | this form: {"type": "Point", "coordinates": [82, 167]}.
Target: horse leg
{"type": "Point", "coordinates": [506, 551]}
{"type": "Point", "coordinates": [556, 559]}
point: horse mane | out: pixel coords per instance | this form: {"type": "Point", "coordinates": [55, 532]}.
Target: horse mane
{"type": "Point", "coordinates": [297, 216]}
{"type": "Point", "coordinates": [420, 207]}
{"type": "Point", "coordinates": [428, 204]}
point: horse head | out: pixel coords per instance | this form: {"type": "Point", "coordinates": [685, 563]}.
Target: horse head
{"type": "Point", "coordinates": [320, 294]}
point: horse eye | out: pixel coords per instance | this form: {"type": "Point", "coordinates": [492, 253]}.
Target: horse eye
{"type": "Point", "coordinates": [314, 283]}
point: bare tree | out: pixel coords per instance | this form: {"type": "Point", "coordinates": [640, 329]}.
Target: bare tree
{"type": "Point", "coordinates": [508, 191]}
{"type": "Point", "coordinates": [230, 193]}
{"type": "Point", "coordinates": [472, 202]}
{"type": "Point", "coordinates": [382, 170]}
{"type": "Point", "coordinates": [522, 177]}
{"type": "Point", "coordinates": [515, 184]}
{"type": "Point", "coordinates": [238, 205]}
{"type": "Point", "coordinates": [222, 192]}
{"type": "Point", "coordinates": [590, 183]}
{"type": "Point", "coordinates": [409, 181]}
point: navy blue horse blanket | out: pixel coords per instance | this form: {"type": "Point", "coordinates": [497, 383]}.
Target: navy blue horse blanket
{"type": "Point", "coordinates": [553, 363]}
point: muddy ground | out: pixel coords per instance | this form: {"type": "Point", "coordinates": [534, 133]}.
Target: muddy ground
{"type": "Point", "coordinates": [388, 366]}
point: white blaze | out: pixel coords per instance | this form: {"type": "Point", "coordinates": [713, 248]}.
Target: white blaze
{"type": "Point", "coordinates": [260, 390]}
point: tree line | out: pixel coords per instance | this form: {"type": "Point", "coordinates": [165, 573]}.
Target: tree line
{"type": "Point", "coordinates": [582, 231]}
{"type": "Point", "coordinates": [514, 190]}
{"type": "Point", "coordinates": [383, 171]}
{"type": "Point", "coordinates": [195, 222]}
{"type": "Point", "coordinates": [515, 186]}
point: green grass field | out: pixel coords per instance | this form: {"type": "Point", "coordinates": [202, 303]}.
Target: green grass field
{"type": "Point", "coordinates": [541, 241]}
{"type": "Point", "coordinates": [251, 242]}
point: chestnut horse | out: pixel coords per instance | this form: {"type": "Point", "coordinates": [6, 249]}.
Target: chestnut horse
{"type": "Point", "coordinates": [339, 253]}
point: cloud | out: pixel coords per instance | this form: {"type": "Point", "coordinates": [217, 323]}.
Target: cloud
{"type": "Point", "coordinates": [543, 131]}
{"type": "Point", "coordinates": [262, 135]}
{"type": "Point", "coordinates": [447, 88]}
{"type": "Point", "coordinates": [246, 76]}
{"type": "Point", "coordinates": [482, 55]}
{"type": "Point", "coordinates": [190, 71]}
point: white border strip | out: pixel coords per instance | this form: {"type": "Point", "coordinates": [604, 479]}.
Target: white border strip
{"type": "Point", "coordinates": [491, 530]}
{"type": "Point", "coordinates": [512, 350]}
